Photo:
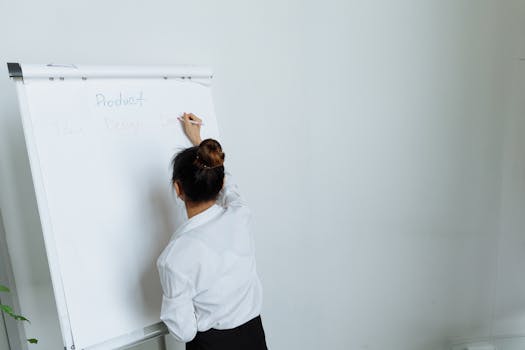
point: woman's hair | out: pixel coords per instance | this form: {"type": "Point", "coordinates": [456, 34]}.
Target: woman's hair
{"type": "Point", "coordinates": [200, 171]}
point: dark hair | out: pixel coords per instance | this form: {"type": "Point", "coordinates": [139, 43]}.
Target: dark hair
{"type": "Point", "coordinates": [200, 171]}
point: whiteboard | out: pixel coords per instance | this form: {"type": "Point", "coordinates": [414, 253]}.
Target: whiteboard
{"type": "Point", "coordinates": [100, 148]}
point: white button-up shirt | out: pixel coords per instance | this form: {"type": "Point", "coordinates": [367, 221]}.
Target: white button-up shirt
{"type": "Point", "coordinates": [207, 270]}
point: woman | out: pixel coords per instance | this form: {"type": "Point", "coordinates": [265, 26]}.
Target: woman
{"type": "Point", "coordinates": [212, 295]}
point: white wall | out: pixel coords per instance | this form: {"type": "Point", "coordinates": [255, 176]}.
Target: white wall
{"type": "Point", "coordinates": [365, 134]}
{"type": "Point", "coordinates": [509, 311]}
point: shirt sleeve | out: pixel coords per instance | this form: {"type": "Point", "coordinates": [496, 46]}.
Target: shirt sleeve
{"type": "Point", "coordinates": [230, 196]}
{"type": "Point", "coordinates": [177, 310]}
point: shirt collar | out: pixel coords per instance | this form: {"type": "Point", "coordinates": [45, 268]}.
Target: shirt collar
{"type": "Point", "coordinates": [198, 220]}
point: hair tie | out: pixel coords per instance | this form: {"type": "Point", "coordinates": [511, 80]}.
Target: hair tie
{"type": "Point", "coordinates": [205, 166]}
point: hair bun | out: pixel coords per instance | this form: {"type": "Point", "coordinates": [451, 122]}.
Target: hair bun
{"type": "Point", "coordinates": [209, 154]}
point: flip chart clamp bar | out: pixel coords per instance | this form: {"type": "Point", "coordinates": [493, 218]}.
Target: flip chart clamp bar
{"type": "Point", "coordinates": [56, 71]}
{"type": "Point", "coordinates": [15, 70]}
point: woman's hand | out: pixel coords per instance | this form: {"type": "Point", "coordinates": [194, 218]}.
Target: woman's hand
{"type": "Point", "coordinates": [192, 127]}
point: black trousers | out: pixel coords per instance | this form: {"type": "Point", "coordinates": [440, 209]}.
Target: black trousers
{"type": "Point", "coordinates": [248, 336]}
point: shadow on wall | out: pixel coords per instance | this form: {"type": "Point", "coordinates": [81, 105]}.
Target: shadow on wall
{"type": "Point", "coordinates": [503, 343]}
{"type": "Point", "coordinates": [21, 220]}
{"type": "Point", "coordinates": [515, 343]}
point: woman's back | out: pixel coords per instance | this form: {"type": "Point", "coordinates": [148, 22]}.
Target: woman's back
{"type": "Point", "coordinates": [213, 253]}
